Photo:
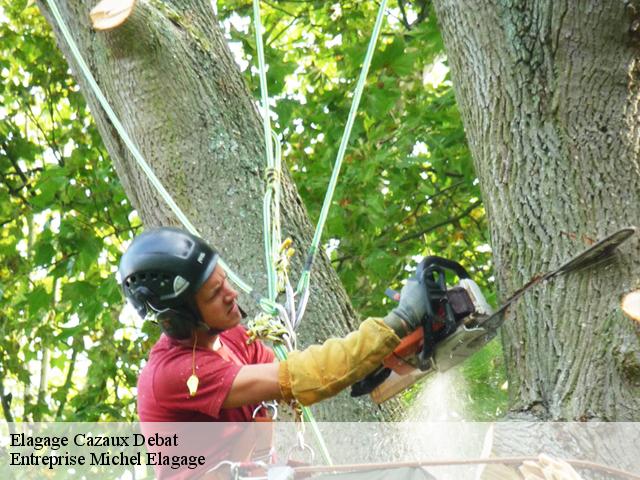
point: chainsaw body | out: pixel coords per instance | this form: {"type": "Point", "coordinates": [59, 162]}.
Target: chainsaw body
{"type": "Point", "coordinates": [449, 334]}
{"type": "Point", "coordinates": [459, 321]}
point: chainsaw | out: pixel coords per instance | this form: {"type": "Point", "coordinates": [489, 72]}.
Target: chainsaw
{"type": "Point", "coordinates": [459, 321]}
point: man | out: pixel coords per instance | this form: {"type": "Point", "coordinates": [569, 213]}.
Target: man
{"type": "Point", "coordinates": [175, 277]}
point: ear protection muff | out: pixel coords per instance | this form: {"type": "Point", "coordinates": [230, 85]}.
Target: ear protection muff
{"type": "Point", "coordinates": [175, 322]}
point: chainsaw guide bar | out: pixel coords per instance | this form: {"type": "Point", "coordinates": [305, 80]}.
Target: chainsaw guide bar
{"type": "Point", "coordinates": [593, 255]}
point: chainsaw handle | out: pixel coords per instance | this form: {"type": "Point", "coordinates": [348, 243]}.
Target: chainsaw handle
{"type": "Point", "coordinates": [441, 262]}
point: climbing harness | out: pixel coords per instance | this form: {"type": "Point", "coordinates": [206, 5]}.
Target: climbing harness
{"type": "Point", "coordinates": [277, 253]}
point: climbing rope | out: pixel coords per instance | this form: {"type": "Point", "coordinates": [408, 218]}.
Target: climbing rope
{"type": "Point", "coordinates": [273, 174]}
{"type": "Point", "coordinates": [271, 223]}
{"type": "Point", "coordinates": [281, 325]}
{"type": "Point", "coordinates": [277, 326]}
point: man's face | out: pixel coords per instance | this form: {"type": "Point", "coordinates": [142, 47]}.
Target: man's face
{"type": "Point", "coordinates": [216, 301]}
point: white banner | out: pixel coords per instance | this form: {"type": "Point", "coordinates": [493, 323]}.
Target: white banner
{"type": "Point", "coordinates": [442, 450]}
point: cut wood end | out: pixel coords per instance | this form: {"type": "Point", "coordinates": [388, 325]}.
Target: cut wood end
{"type": "Point", "coordinates": [110, 14]}
{"type": "Point", "coordinates": [631, 305]}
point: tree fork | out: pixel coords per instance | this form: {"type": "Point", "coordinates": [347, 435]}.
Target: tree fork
{"type": "Point", "coordinates": [170, 77]}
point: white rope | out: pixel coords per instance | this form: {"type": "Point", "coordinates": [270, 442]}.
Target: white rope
{"type": "Point", "coordinates": [129, 142]}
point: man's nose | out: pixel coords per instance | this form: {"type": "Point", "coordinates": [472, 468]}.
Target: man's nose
{"type": "Point", "coordinates": [230, 295]}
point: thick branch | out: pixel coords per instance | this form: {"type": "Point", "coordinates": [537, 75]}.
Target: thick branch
{"type": "Point", "coordinates": [458, 217]}
{"type": "Point", "coordinates": [68, 380]}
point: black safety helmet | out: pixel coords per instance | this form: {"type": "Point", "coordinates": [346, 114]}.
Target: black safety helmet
{"type": "Point", "coordinates": [161, 272]}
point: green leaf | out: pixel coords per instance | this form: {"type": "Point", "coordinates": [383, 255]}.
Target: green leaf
{"type": "Point", "coordinates": [404, 64]}
{"type": "Point", "coordinates": [65, 333]}
{"type": "Point", "coordinates": [39, 300]}
{"type": "Point", "coordinates": [77, 292]}
{"type": "Point", "coordinates": [44, 252]}
{"type": "Point", "coordinates": [89, 250]}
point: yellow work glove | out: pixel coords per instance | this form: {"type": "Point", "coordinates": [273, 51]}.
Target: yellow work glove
{"type": "Point", "coordinates": [321, 371]}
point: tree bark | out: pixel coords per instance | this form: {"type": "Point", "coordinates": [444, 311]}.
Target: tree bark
{"type": "Point", "coordinates": [171, 79]}
{"type": "Point", "coordinates": [549, 95]}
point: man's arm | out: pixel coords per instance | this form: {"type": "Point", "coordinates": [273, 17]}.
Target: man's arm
{"type": "Point", "coordinates": [321, 371]}
{"type": "Point", "coordinates": [318, 372]}
{"type": "Point", "coordinates": [254, 384]}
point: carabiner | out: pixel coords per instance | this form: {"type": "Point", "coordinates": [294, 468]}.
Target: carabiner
{"type": "Point", "coordinates": [273, 406]}
{"type": "Point", "coordinates": [302, 447]}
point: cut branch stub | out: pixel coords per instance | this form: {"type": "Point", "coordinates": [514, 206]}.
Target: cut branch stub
{"type": "Point", "coordinates": [631, 305]}
{"type": "Point", "coordinates": [110, 14]}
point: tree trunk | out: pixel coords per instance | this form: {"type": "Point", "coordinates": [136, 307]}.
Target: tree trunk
{"type": "Point", "coordinates": [549, 94]}
{"type": "Point", "coordinates": [171, 79]}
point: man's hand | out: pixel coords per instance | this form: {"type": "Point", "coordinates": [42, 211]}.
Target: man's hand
{"type": "Point", "coordinates": [407, 316]}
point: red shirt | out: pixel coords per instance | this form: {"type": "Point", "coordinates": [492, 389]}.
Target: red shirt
{"type": "Point", "coordinates": [163, 395]}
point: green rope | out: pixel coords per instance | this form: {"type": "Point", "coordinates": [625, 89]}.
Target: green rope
{"type": "Point", "coordinates": [268, 251]}
{"type": "Point", "coordinates": [273, 185]}
{"type": "Point", "coordinates": [303, 285]}
{"type": "Point", "coordinates": [276, 241]}
{"type": "Point", "coordinates": [271, 232]}
{"type": "Point", "coordinates": [304, 279]}
{"type": "Point", "coordinates": [266, 124]}
{"type": "Point", "coordinates": [271, 220]}
{"type": "Point", "coordinates": [131, 146]}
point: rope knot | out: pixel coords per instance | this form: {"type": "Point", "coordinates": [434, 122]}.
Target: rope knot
{"type": "Point", "coordinates": [271, 176]}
